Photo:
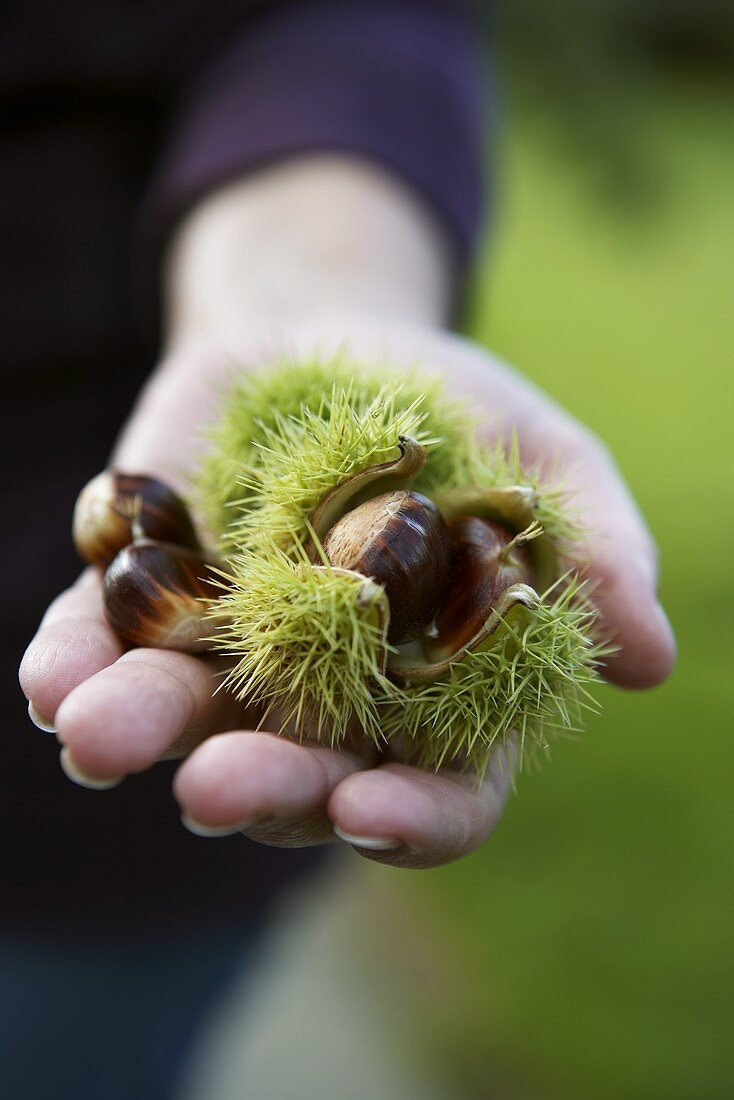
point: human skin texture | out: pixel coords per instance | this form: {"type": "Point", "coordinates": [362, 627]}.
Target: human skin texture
{"type": "Point", "coordinates": [314, 256]}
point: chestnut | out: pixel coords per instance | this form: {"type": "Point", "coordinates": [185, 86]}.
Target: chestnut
{"type": "Point", "coordinates": [155, 594]}
{"type": "Point", "coordinates": [113, 507]}
{"type": "Point", "coordinates": [486, 560]}
{"type": "Point", "coordinates": [399, 540]}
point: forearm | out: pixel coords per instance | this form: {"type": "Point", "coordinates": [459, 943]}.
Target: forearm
{"type": "Point", "coordinates": [264, 258]}
{"type": "Point", "coordinates": [317, 234]}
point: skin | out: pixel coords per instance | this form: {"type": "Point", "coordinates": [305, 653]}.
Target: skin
{"type": "Point", "coordinates": [313, 255]}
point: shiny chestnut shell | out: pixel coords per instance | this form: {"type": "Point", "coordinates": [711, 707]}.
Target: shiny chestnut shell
{"type": "Point", "coordinates": [153, 594]}
{"type": "Point", "coordinates": [400, 540]}
{"type": "Point", "coordinates": [108, 504]}
{"type": "Point", "coordinates": [482, 568]}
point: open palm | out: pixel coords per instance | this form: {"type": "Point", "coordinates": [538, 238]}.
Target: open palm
{"type": "Point", "coordinates": [118, 712]}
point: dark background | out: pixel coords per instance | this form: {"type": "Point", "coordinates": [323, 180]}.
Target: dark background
{"type": "Point", "coordinates": [588, 949]}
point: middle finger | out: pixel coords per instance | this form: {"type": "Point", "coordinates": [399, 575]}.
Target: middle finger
{"type": "Point", "coordinates": [274, 790]}
{"type": "Point", "coordinates": [150, 704]}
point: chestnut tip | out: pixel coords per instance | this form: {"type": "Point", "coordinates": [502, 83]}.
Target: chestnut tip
{"type": "Point", "coordinates": [156, 594]}
{"type": "Point", "coordinates": [113, 508]}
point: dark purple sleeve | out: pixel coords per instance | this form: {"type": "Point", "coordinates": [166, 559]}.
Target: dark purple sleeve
{"type": "Point", "coordinates": [398, 81]}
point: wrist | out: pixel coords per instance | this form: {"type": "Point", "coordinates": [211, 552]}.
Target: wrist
{"type": "Point", "coordinates": [316, 235]}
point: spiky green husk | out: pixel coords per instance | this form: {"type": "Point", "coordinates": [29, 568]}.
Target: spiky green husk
{"type": "Point", "coordinates": [500, 465]}
{"type": "Point", "coordinates": [304, 457]}
{"type": "Point", "coordinates": [287, 436]}
{"type": "Point", "coordinates": [529, 684]}
{"type": "Point", "coordinates": [307, 642]}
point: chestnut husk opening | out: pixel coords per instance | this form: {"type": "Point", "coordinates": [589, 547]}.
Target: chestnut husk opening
{"type": "Point", "coordinates": [482, 569]}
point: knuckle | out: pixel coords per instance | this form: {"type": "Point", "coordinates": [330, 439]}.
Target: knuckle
{"type": "Point", "coordinates": [66, 656]}
{"type": "Point", "coordinates": [304, 833]}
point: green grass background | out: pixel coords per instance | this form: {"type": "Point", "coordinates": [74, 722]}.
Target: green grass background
{"type": "Point", "coordinates": [594, 934]}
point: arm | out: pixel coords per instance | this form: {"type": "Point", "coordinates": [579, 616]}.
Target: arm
{"type": "Point", "coordinates": [266, 255]}
{"type": "Point", "coordinates": [248, 275]}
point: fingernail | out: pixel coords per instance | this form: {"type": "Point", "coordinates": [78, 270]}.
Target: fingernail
{"type": "Point", "coordinates": [39, 721]}
{"type": "Point", "coordinates": [372, 843]}
{"type": "Point", "coordinates": [198, 829]}
{"type": "Point", "coordinates": [71, 772]}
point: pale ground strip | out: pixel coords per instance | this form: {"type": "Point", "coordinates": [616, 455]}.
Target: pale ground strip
{"type": "Point", "coordinates": [320, 1018]}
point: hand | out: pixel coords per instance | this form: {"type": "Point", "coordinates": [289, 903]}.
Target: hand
{"type": "Point", "coordinates": [117, 713]}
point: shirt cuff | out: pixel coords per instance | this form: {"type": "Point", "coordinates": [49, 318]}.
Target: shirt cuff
{"type": "Point", "coordinates": [398, 82]}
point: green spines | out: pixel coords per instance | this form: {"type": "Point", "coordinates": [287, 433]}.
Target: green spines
{"type": "Point", "coordinates": [306, 642]}
{"type": "Point", "coordinates": [500, 465]}
{"type": "Point", "coordinates": [287, 436]}
{"type": "Point", "coordinates": [529, 683]}
{"type": "Point", "coordinates": [303, 457]}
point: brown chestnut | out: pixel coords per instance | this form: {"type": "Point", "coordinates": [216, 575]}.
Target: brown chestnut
{"type": "Point", "coordinates": [400, 540]}
{"type": "Point", "coordinates": [486, 559]}
{"type": "Point", "coordinates": [113, 507]}
{"type": "Point", "coordinates": [155, 594]}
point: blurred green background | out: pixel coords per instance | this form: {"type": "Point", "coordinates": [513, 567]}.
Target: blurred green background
{"type": "Point", "coordinates": [588, 949]}
{"type": "Point", "coordinates": [586, 952]}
